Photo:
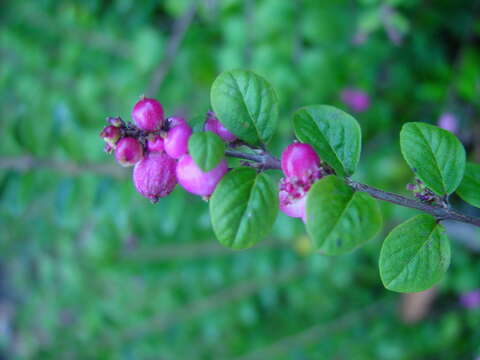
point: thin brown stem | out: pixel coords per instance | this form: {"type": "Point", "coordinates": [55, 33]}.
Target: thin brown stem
{"type": "Point", "coordinates": [441, 213]}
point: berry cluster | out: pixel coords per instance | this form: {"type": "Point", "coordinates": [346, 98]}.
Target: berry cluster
{"type": "Point", "coordinates": [302, 168]}
{"type": "Point", "coordinates": [157, 147]}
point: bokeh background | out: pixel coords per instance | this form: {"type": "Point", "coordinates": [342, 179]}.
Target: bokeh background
{"type": "Point", "coordinates": [91, 270]}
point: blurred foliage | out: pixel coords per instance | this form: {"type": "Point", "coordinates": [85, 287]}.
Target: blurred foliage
{"type": "Point", "coordinates": [91, 270]}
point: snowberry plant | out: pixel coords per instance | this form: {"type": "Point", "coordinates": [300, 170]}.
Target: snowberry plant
{"type": "Point", "coordinates": [339, 213]}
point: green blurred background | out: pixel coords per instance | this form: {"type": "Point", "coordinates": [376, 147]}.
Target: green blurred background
{"type": "Point", "coordinates": [91, 270]}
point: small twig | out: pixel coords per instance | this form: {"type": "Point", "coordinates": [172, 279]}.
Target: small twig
{"type": "Point", "coordinates": [180, 27]}
{"type": "Point", "coordinates": [441, 213]}
{"type": "Point", "coordinates": [266, 160]}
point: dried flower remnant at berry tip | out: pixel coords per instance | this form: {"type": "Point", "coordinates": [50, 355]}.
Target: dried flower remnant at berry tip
{"type": "Point", "coordinates": [155, 143]}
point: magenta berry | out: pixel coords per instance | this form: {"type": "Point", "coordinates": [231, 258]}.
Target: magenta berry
{"type": "Point", "coordinates": [176, 142]}
{"type": "Point", "coordinates": [214, 125]}
{"type": "Point", "coordinates": [148, 114]}
{"type": "Point", "coordinates": [448, 121]}
{"type": "Point", "coordinates": [175, 121]}
{"type": "Point", "coordinates": [196, 181]}
{"type": "Point", "coordinates": [128, 151]}
{"type": "Point", "coordinates": [355, 99]}
{"type": "Point", "coordinates": [299, 159]}
{"type": "Point", "coordinates": [293, 207]}
{"type": "Point", "coordinates": [154, 176]}
{"type": "Point", "coordinates": [155, 143]}
{"type": "Point", "coordinates": [111, 134]}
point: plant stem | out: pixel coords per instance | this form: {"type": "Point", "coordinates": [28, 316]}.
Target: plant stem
{"type": "Point", "coordinates": [441, 213]}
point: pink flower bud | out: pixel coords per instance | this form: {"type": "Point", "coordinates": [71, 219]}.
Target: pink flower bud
{"type": "Point", "coordinates": [448, 121]}
{"type": "Point", "coordinates": [128, 151]}
{"type": "Point", "coordinates": [111, 134]}
{"type": "Point", "coordinates": [155, 143]}
{"type": "Point", "coordinates": [176, 142]}
{"type": "Point", "coordinates": [194, 180]}
{"type": "Point", "coordinates": [299, 159]}
{"type": "Point", "coordinates": [355, 99]}
{"type": "Point", "coordinates": [154, 176]}
{"type": "Point", "coordinates": [148, 114]}
{"type": "Point", "coordinates": [214, 125]}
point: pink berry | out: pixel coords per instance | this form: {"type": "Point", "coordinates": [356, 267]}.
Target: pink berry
{"type": "Point", "coordinates": [214, 125]}
{"type": "Point", "coordinates": [148, 114]}
{"type": "Point", "coordinates": [111, 134]}
{"type": "Point", "coordinates": [155, 143]}
{"type": "Point", "coordinates": [448, 121]}
{"type": "Point", "coordinates": [299, 160]}
{"type": "Point", "coordinates": [355, 99]}
{"type": "Point", "coordinates": [194, 180]}
{"type": "Point", "coordinates": [293, 208]}
{"type": "Point", "coordinates": [175, 121]}
{"type": "Point", "coordinates": [154, 176]}
{"type": "Point", "coordinates": [128, 151]}
{"type": "Point", "coordinates": [176, 142]}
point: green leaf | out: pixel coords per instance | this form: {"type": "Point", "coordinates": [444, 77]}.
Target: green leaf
{"type": "Point", "coordinates": [469, 189]}
{"type": "Point", "coordinates": [435, 155]}
{"type": "Point", "coordinates": [246, 104]}
{"type": "Point", "coordinates": [335, 135]}
{"type": "Point", "coordinates": [338, 218]}
{"type": "Point", "coordinates": [243, 208]}
{"type": "Point", "coordinates": [206, 149]}
{"type": "Point", "coordinates": [415, 255]}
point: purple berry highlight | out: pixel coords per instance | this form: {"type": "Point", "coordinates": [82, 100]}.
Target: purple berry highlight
{"type": "Point", "coordinates": [128, 151]}
{"type": "Point", "coordinates": [196, 181]}
{"type": "Point", "coordinates": [148, 114]}
{"type": "Point", "coordinates": [155, 176]}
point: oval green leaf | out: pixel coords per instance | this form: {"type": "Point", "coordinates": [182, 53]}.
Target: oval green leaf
{"type": "Point", "coordinates": [335, 135]}
{"type": "Point", "coordinates": [340, 219]}
{"type": "Point", "coordinates": [435, 155]}
{"type": "Point", "coordinates": [206, 149]}
{"type": "Point", "coordinates": [246, 104]}
{"type": "Point", "coordinates": [469, 189]}
{"type": "Point", "coordinates": [243, 208]}
{"type": "Point", "coordinates": [415, 255]}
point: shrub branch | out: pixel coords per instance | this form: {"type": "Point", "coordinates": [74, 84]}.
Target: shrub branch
{"type": "Point", "coordinates": [268, 161]}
